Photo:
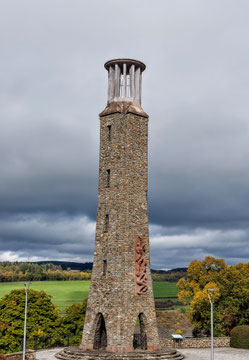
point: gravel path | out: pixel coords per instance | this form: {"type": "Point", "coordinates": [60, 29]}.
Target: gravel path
{"type": "Point", "coordinates": [190, 354]}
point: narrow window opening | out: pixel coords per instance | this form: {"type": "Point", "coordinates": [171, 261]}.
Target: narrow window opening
{"type": "Point", "coordinates": [108, 177]}
{"type": "Point", "coordinates": [109, 127]}
{"type": "Point", "coordinates": [104, 267]}
{"type": "Point", "coordinates": [106, 223]}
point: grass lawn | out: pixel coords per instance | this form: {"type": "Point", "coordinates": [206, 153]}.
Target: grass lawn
{"type": "Point", "coordinates": [163, 289]}
{"type": "Point", "coordinates": [66, 293]}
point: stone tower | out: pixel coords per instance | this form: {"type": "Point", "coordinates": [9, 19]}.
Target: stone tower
{"type": "Point", "coordinates": [121, 294]}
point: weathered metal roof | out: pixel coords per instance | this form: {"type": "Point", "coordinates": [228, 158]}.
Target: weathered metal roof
{"type": "Point", "coordinates": [126, 61]}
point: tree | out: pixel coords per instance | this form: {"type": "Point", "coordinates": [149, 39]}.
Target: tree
{"type": "Point", "coordinates": [32, 272]}
{"type": "Point", "coordinates": [72, 323]}
{"type": "Point", "coordinates": [232, 300]}
{"type": "Point", "coordinates": [42, 318]}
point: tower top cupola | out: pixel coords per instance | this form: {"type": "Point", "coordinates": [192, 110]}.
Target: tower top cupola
{"type": "Point", "coordinates": [124, 80]}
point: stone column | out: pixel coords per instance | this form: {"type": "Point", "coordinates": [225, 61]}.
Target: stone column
{"type": "Point", "coordinates": [132, 81]}
{"type": "Point", "coordinates": [117, 81]}
{"type": "Point", "coordinates": [137, 95]}
{"type": "Point", "coordinates": [125, 82]}
{"type": "Point", "coordinates": [111, 80]}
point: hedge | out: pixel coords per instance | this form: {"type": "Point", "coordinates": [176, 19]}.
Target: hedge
{"type": "Point", "coordinates": [240, 337]}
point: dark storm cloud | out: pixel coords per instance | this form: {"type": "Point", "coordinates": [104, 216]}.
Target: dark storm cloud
{"type": "Point", "coordinates": [47, 167]}
{"type": "Point", "coordinates": [180, 245]}
{"type": "Point", "coordinates": [195, 88]}
{"type": "Point", "coordinates": [203, 176]}
{"type": "Point", "coordinates": [59, 236]}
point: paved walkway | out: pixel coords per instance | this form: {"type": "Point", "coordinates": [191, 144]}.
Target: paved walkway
{"type": "Point", "coordinates": [47, 354]}
{"type": "Point", "coordinates": [219, 354]}
{"type": "Point", "coordinates": [190, 354]}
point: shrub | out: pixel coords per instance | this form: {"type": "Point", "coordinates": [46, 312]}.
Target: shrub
{"type": "Point", "coordinates": [240, 337]}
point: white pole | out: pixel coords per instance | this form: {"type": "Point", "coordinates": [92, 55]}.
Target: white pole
{"type": "Point", "coordinates": [26, 285]}
{"type": "Point", "coordinates": [211, 296]}
{"type": "Point", "coordinates": [212, 333]}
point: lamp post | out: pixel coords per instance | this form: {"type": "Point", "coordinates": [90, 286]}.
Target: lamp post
{"type": "Point", "coordinates": [211, 296]}
{"type": "Point", "coordinates": [26, 286]}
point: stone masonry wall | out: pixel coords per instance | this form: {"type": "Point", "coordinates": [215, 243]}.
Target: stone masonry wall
{"type": "Point", "coordinates": [30, 355]}
{"type": "Point", "coordinates": [198, 343]}
{"type": "Point", "coordinates": [122, 214]}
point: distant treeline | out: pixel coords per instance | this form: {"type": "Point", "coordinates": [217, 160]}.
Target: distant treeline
{"type": "Point", "coordinates": [24, 271]}
{"type": "Point", "coordinates": [67, 264]}
{"type": "Point", "coordinates": [169, 275]}
{"type": "Point", "coordinates": [62, 270]}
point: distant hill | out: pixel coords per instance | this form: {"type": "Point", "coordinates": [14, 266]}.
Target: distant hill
{"type": "Point", "coordinates": [67, 264]}
{"type": "Point", "coordinates": [58, 270]}
{"type": "Point", "coordinates": [89, 265]}
{"type": "Point", "coordinates": [177, 270]}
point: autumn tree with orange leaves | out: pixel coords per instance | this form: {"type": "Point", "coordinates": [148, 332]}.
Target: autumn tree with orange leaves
{"type": "Point", "coordinates": [231, 306]}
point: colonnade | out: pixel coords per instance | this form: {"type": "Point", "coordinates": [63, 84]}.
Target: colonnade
{"type": "Point", "coordinates": [124, 81]}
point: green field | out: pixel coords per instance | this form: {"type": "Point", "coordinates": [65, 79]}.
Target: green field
{"type": "Point", "coordinates": [164, 289]}
{"type": "Point", "coordinates": [66, 293]}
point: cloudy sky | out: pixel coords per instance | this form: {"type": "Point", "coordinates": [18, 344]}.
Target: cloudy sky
{"type": "Point", "coordinates": [195, 89]}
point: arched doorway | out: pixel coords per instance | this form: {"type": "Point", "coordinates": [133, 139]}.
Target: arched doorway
{"type": "Point", "coordinates": [100, 337]}
{"type": "Point", "coordinates": [140, 337]}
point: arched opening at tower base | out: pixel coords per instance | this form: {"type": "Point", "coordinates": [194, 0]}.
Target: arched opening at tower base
{"type": "Point", "coordinates": [100, 336]}
{"type": "Point", "coordinates": [140, 337]}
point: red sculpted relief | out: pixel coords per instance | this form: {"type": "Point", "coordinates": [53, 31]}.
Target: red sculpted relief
{"type": "Point", "coordinates": [140, 265]}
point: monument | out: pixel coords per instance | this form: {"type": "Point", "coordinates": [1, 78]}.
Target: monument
{"type": "Point", "coordinates": [121, 287]}
{"type": "Point", "coordinates": [121, 294]}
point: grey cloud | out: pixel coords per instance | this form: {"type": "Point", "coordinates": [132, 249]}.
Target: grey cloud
{"type": "Point", "coordinates": [178, 246]}
{"type": "Point", "coordinates": [195, 88]}
{"type": "Point", "coordinates": [60, 236]}
{"type": "Point", "coordinates": [47, 236]}
{"type": "Point", "coordinates": [202, 177]}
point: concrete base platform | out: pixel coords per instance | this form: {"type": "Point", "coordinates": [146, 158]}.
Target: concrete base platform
{"type": "Point", "coordinates": [75, 353]}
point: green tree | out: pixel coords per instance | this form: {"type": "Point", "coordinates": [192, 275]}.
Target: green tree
{"type": "Point", "coordinates": [42, 319]}
{"type": "Point", "coordinates": [71, 324]}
